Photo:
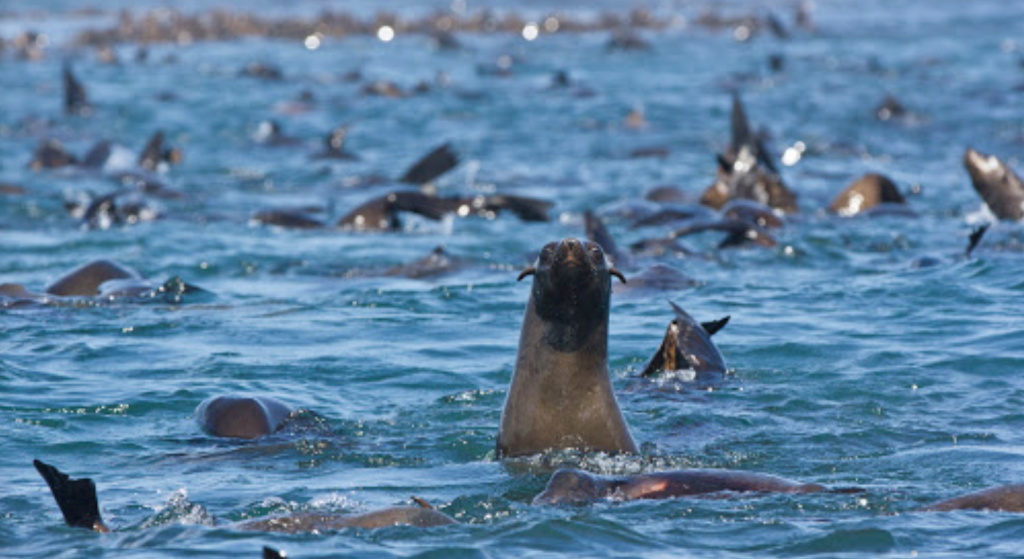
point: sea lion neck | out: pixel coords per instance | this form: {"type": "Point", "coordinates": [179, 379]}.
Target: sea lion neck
{"type": "Point", "coordinates": [571, 294]}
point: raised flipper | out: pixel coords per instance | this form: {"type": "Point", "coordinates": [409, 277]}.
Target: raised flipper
{"type": "Point", "coordinates": [153, 153]}
{"type": "Point", "coordinates": [715, 325]}
{"type": "Point", "coordinates": [97, 155]}
{"type": "Point", "coordinates": [526, 209]}
{"type": "Point", "coordinates": [75, 497]}
{"type": "Point", "coordinates": [975, 239]}
{"type": "Point", "coordinates": [75, 101]}
{"type": "Point", "coordinates": [430, 166]}
{"type": "Point", "coordinates": [597, 232]}
{"type": "Point", "coordinates": [739, 125]}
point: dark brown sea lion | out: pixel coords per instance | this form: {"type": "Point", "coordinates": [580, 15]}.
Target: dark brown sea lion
{"type": "Point", "coordinates": [381, 213]}
{"type": "Point", "coordinates": [739, 232]}
{"type": "Point", "coordinates": [154, 153]}
{"type": "Point", "coordinates": [746, 170]}
{"type": "Point", "coordinates": [241, 417]}
{"type": "Point", "coordinates": [865, 193]}
{"type": "Point", "coordinates": [561, 394]}
{"type": "Point", "coordinates": [1006, 498]}
{"type": "Point", "coordinates": [334, 146]}
{"type": "Point", "coordinates": [569, 486]}
{"type": "Point", "coordinates": [51, 154]}
{"type": "Point", "coordinates": [1000, 188]}
{"type": "Point", "coordinates": [269, 133]}
{"type": "Point", "coordinates": [687, 345]}
{"type": "Point", "coordinates": [85, 280]}
{"type": "Point", "coordinates": [78, 503]}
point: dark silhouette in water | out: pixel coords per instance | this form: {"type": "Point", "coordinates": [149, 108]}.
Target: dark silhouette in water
{"type": "Point", "coordinates": [241, 417]}
{"type": "Point", "coordinates": [75, 101]}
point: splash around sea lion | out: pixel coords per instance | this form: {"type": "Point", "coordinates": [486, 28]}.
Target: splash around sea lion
{"type": "Point", "coordinates": [80, 506]}
{"type": "Point", "coordinates": [561, 394]}
{"type": "Point", "coordinates": [573, 487]}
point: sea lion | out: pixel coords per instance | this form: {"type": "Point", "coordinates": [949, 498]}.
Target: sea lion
{"type": "Point", "coordinates": [746, 169]}
{"type": "Point", "coordinates": [865, 193]}
{"type": "Point", "coordinates": [269, 133]}
{"type": "Point", "coordinates": [51, 154]}
{"type": "Point", "coordinates": [561, 393]}
{"type": "Point", "coordinates": [85, 280]}
{"type": "Point", "coordinates": [334, 146]}
{"type": "Point", "coordinates": [687, 346]}
{"type": "Point", "coordinates": [570, 486]}
{"type": "Point", "coordinates": [1000, 188]}
{"type": "Point", "coordinates": [381, 213]}
{"type": "Point", "coordinates": [80, 506]}
{"type": "Point", "coordinates": [154, 153]}
{"type": "Point", "coordinates": [241, 417]}
{"type": "Point", "coordinates": [739, 232]}
{"type": "Point", "coordinates": [1006, 498]}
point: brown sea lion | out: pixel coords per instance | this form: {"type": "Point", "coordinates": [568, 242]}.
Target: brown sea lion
{"type": "Point", "coordinates": [78, 503]}
{"type": "Point", "coordinates": [561, 394]}
{"type": "Point", "coordinates": [85, 280]}
{"type": "Point", "coordinates": [334, 146]}
{"type": "Point", "coordinates": [687, 345]}
{"type": "Point", "coordinates": [570, 486]}
{"type": "Point", "coordinates": [241, 417]}
{"type": "Point", "coordinates": [865, 193]}
{"type": "Point", "coordinates": [1000, 188]}
{"type": "Point", "coordinates": [1006, 498]}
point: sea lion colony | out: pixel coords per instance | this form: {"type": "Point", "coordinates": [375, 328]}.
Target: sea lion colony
{"type": "Point", "coordinates": [560, 395]}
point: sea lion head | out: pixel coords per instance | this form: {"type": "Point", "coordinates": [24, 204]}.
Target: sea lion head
{"type": "Point", "coordinates": [571, 291]}
{"type": "Point", "coordinates": [571, 487]}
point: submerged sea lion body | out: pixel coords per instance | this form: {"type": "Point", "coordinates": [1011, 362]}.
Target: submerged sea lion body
{"type": "Point", "coordinates": [241, 417]}
{"type": "Point", "coordinates": [569, 486]}
{"type": "Point", "coordinates": [866, 193]}
{"type": "Point", "coordinates": [1006, 498]}
{"type": "Point", "coordinates": [319, 522]}
{"type": "Point", "coordinates": [85, 280]}
{"type": "Point", "coordinates": [561, 394]}
{"type": "Point", "coordinates": [997, 184]}
{"type": "Point", "coordinates": [79, 505]}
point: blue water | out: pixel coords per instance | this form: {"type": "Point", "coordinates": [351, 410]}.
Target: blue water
{"type": "Point", "coordinates": [848, 365]}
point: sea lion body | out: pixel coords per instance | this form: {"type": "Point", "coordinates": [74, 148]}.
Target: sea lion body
{"type": "Point", "coordinates": [997, 184]}
{"type": "Point", "coordinates": [85, 281]}
{"type": "Point", "coordinates": [241, 417]}
{"type": "Point", "coordinates": [561, 394]}
{"type": "Point", "coordinates": [569, 486]}
{"type": "Point", "coordinates": [318, 522]}
{"type": "Point", "coordinates": [1006, 498]}
{"type": "Point", "coordinates": [687, 345]}
{"type": "Point", "coordinates": [866, 193]}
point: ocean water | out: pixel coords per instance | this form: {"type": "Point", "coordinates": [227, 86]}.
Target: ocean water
{"type": "Point", "coordinates": [849, 363]}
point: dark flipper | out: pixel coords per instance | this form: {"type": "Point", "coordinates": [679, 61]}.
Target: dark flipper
{"type": "Point", "coordinates": [431, 166]}
{"type": "Point", "coordinates": [428, 206]}
{"type": "Point", "coordinates": [975, 239]}
{"type": "Point", "coordinates": [271, 553]}
{"type": "Point", "coordinates": [715, 325]}
{"type": "Point", "coordinates": [75, 101]}
{"type": "Point", "coordinates": [526, 209]}
{"type": "Point", "coordinates": [741, 133]}
{"type": "Point", "coordinates": [75, 497]}
{"type": "Point", "coordinates": [597, 232]}
{"type": "Point", "coordinates": [153, 153]}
